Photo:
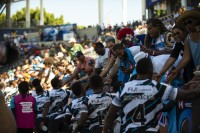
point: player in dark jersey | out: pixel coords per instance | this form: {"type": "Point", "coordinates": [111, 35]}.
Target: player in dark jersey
{"type": "Point", "coordinates": [141, 100]}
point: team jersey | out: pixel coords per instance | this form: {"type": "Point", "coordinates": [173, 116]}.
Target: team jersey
{"type": "Point", "coordinates": [41, 100]}
{"type": "Point", "coordinates": [76, 107]}
{"type": "Point", "coordinates": [34, 94]}
{"type": "Point", "coordinates": [97, 107]}
{"type": "Point", "coordinates": [141, 101]}
{"type": "Point", "coordinates": [58, 101]}
{"type": "Point", "coordinates": [9, 92]}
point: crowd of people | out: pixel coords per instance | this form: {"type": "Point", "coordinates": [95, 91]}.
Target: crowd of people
{"type": "Point", "coordinates": [132, 86]}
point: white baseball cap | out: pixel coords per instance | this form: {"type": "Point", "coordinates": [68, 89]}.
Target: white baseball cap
{"type": "Point", "coordinates": [72, 40]}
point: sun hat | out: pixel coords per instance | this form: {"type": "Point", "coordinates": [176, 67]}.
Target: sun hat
{"type": "Point", "coordinates": [195, 13]}
{"type": "Point", "coordinates": [72, 40]}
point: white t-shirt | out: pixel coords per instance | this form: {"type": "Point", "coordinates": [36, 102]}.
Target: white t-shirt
{"type": "Point", "coordinates": [101, 61]}
{"type": "Point", "coordinates": [134, 50]}
{"type": "Point", "coordinates": [51, 75]}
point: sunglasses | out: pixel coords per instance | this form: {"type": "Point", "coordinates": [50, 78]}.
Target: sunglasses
{"type": "Point", "coordinates": [185, 23]}
{"type": "Point", "coordinates": [177, 33]}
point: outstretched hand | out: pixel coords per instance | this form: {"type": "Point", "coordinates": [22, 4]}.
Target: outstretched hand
{"type": "Point", "coordinates": [194, 83]}
{"type": "Point", "coordinates": [146, 50]}
{"type": "Point", "coordinates": [172, 75]}
{"type": "Point", "coordinates": [157, 77]}
{"type": "Point", "coordinates": [126, 70]}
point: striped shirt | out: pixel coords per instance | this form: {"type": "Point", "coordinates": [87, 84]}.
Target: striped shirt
{"type": "Point", "coordinates": [41, 100]}
{"type": "Point", "coordinates": [76, 107]}
{"type": "Point", "coordinates": [97, 106]}
{"type": "Point", "coordinates": [141, 101]}
{"type": "Point", "coordinates": [58, 101]}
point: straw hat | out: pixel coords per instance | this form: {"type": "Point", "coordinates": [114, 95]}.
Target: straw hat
{"type": "Point", "coordinates": [195, 13]}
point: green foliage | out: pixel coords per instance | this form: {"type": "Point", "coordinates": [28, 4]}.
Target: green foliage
{"type": "Point", "coordinates": [2, 18]}
{"type": "Point", "coordinates": [80, 27]}
{"type": "Point", "coordinates": [161, 13]}
{"type": "Point", "coordinates": [49, 18]}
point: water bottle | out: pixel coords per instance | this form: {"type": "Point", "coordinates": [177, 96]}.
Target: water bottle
{"type": "Point", "coordinates": [44, 128]}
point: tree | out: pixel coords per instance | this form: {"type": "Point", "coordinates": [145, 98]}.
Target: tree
{"type": "Point", "coordinates": [49, 18]}
{"type": "Point", "coordinates": [2, 19]}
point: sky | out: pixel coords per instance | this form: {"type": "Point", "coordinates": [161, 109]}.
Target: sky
{"type": "Point", "coordinates": [85, 12]}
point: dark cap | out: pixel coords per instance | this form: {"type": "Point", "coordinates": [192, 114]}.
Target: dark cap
{"type": "Point", "coordinates": [109, 38]}
{"type": "Point", "coordinates": [78, 53]}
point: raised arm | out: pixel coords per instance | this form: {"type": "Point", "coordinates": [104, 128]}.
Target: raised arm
{"type": "Point", "coordinates": [71, 77]}
{"type": "Point", "coordinates": [114, 70]}
{"type": "Point", "coordinates": [110, 118]}
{"type": "Point", "coordinates": [184, 61]}
{"type": "Point", "coordinates": [63, 49]}
{"type": "Point", "coordinates": [108, 66]}
{"type": "Point", "coordinates": [170, 61]}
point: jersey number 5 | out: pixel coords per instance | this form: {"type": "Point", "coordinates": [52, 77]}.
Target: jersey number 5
{"type": "Point", "coordinates": [139, 114]}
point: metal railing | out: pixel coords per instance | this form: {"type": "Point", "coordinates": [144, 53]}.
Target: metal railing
{"type": "Point", "coordinates": [19, 24]}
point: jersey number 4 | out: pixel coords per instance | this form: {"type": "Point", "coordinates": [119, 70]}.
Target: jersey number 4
{"type": "Point", "coordinates": [138, 115]}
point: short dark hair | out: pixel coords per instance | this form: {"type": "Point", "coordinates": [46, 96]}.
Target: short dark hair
{"type": "Point", "coordinates": [144, 66]}
{"type": "Point", "coordinates": [110, 39]}
{"type": "Point", "coordinates": [39, 89]}
{"type": "Point", "coordinates": [118, 47]}
{"type": "Point", "coordinates": [99, 45]}
{"type": "Point", "coordinates": [55, 83]}
{"type": "Point", "coordinates": [96, 81]}
{"type": "Point", "coordinates": [77, 88]}
{"type": "Point", "coordinates": [23, 87]}
{"type": "Point", "coordinates": [36, 82]}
